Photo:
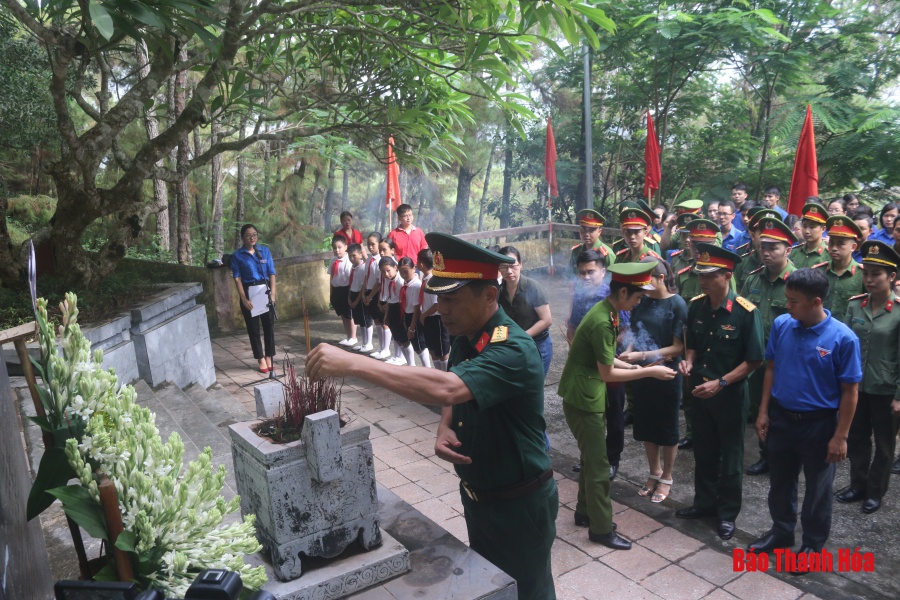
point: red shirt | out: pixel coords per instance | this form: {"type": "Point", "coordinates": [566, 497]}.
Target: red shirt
{"type": "Point", "coordinates": [408, 244]}
{"type": "Point", "coordinates": [355, 236]}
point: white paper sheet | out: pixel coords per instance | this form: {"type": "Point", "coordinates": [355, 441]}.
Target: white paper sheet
{"type": "Point", "coordinates": [259, 300]}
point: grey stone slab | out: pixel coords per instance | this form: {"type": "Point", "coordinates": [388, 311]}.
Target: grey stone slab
{"type": "Point", "coordinates": [170, 296]}
{"type": "Point", "coordinates": [178, 350]}
{"type": "Point", "coordinates": [121, 358]}
{"type": "Point", "coordinates": [102, 335]}
{"type": "Point", "coordinates": [353, 571]}
{"type": "Point", "coordinates": [269, 398]}
{"type": "Point", "coordinates": [193, 422]}
{"type": "Point", "coordinates": [322, 438]}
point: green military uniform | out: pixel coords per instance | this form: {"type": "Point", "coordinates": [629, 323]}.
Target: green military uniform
{"type": "Point", "coordinates": [624, 255]}
{"type": "Point", "coordinates": [649, 244]}
{"type": "Point", "coordinates": [879, 343]}
{"type": "Point", "coordinates": [675, 239]}
{"type": "Point", "coordinates": [750, 261]}
{"type": "Point", "coordinates": [841, 287]}
{"type": "Point", "coordinates": [577, 249]}
{"type": "Point", "coordinates": [501, 429]}
{"type": "Point", "coordinates": [723, 338]}
{"type": "Point", "coordinates": [679, 260]}
{"type": "Point", "coordinates": [803, 258]}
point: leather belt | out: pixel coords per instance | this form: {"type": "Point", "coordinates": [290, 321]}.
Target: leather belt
{"type": "Point", "coordinates": [806, 415]}
{"type": "Point", "coordinates": [510, 493]}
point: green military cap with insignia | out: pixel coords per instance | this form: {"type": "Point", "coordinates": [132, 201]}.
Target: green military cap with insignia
{"type": "Point", "coordinates": [589, 218]}
{"type": "Point", "coordinates": [876, 252]}
{"type": "Point", "coordinates": [711, 258]}
{"type": "Point", "coordinates": [638, 204]}
{"type": "Point", "coordinates": [758, 212]}
{"type": "Point", "coordinates": [636, 274]}
{"type": "Point", "coordinates": [702, 228]}
{"type": "Point", "coordinates": [689, 206]}
{"type": "Point", "coordinates": [843, 226]}
{"type": "Point", "coordinates": [814, 212]}
{"type": "Point", "coordinates": [773, 229]}
{"type": "Point", "coordinates": [635, 218]}
{"type": "Point", "coordinates": [458, 262]}
{"type": "Point", "coordinates": [684, 218]}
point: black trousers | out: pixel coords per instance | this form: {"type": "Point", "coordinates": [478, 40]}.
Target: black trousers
{"type": "Point", "coordinates": [796, 445]}
{"type": "Point", "coordinates": [615, 422]}
{"type": "Point", "coordinates": [872, 474]}
{"type": "Point", "coordinates": [268, 325]}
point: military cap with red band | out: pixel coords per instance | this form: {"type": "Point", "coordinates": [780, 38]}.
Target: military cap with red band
{"type": "Point", "coordinates": [843, 226]}
{"type": "Point", "coordinates": [775, 230]}
{"type": "Point", "coordinates": [633, 218]}
{"type": "Point", "coordinates": [711, 258]}
{"type": "Point", "coordinates": [702, 228]}
{"type": "Point", "coordinates": [589, 218]}
{"type": "Point", "coordinates": [458, 262]}
{"type": "Point", "coordinates": [815, 213]}
{"type": "Point", "coordinates": [634, 274]}
{"type": "Point", "coordinates": [689, 207]}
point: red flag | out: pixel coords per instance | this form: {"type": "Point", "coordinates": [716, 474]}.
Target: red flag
{"type": "Point", "coordinates": [653, 172]}
{"type": "Point", "coordinates": [805, 180]}
{"type": "Point", "coordinates": [550, 161]}
{"type": "Point", "coordinates": [393, 178]}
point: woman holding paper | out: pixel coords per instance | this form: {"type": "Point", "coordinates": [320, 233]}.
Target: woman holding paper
{"type": "Point", "coordinates": [254, 278]}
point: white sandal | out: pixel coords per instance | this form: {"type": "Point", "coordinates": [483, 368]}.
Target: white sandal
{"type": "Point", "coordinates": [646, 491]}
{"type": "Point", "coordinates": [657, 497]}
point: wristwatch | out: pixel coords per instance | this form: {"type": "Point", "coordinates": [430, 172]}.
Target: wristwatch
{"type": "Point", "coordinates": [723, 382]}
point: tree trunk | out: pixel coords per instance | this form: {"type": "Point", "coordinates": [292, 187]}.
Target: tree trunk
{"type": "Point", "coordinates": [484, 191]}
{"type": "Point", "coordinates": [507, 179]}
{"type": "Point", "coordinates": [267, 170]}
{"type": "Point", "coordinates": [328, 216]}
{"type": "Point", "coordinates": [199, 200]}
{"type": "Point", "coordinates": [181, 188]}
{"type": "Point", "coordinates": [345, 188]}
{"type": "Point", "coordinates": [173, 160]}
{"type": "Point", "coordinates": [463, 190]}
{"type": "Point", "coordinates": [218, 239]}
{"type": "Point", "coordinates": [160, 191]}
{"type": "Point", "coordinates": [239, 191]}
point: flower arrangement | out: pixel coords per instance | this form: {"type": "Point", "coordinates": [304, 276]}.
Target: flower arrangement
{"type": "Point", "coordinates": [172, 517]}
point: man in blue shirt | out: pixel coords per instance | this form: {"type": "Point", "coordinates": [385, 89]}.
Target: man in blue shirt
{"type": "Point", "coordinates": [809, 397]}
{"type": "Point", "coordinates": [738, 197]}
{"type": "Point", "coordinates": [732, 237]}
{"type": "Point", "coordinates": [770, 200]}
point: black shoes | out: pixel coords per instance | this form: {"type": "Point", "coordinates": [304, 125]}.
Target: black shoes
{"type": "Point", "coordinates": [769, 542]}
{"type": "Point", "coordinates": [685, 444]}
{"type": "Point", "coordinates": [582, 520]}
{"type": "Point", "coordinates": [628, 419]}
{"type": "Point", "coordinates": [803, 550]}
{"type": "Point", "coordinates": [850, 495]}
{"type": "Point", "coordinates": [610, 540]}
{"type": "Point", "coordinates": [760, 467]}
{"type": "Point", "coordinates": [692, 512]}
{"type": "Point", "coordinates": [576, 467]}
{"type": "Point", "coordinates": [895, 468]}
{"type": "Point", "coordinates": [613, 471]}
{"type": "Point", "coordinates": [871, 505]}
{"type": "Point", "coordinates": [726, 530]}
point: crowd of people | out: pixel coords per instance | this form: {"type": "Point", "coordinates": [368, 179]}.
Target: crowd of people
{"type": "Point", "coordinates": [730, 311]}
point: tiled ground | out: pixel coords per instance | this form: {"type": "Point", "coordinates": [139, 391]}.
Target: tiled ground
{"type": "Point", "coordinates": [664, 563]}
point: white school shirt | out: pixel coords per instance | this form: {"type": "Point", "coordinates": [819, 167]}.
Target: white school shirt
{"type": "Point", "coordinates": [357, 277]}
{"type": "Point", "coordinates": [412, 294]}
{"type": "Point", "coordinates": [339, 270]}
{"type": "Point", "coordinates": [373, 273]}
{"type": "Point", "coordinates": [390, 289]}
{"type": "Point", "coordinates": [426, 299]}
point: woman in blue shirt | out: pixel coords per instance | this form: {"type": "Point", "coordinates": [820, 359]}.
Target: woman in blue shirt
{"type": "Point", "coordinates": [252, 265]}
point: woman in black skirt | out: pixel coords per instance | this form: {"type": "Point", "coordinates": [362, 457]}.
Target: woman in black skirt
{"type": "Point", "coordinates": [656, 336]}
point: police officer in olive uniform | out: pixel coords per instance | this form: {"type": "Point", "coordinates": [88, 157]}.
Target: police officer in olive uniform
{"type": "Point", "coordinates": [671, 237]}
{"type": "Point", "coordinates": [765, 288]}
{"type": "Point", "coordinates": [749, 252]}
{"type": "Point", "coordinates": [635, 224]}
{"type": "Point", "coordinates": [591, 224]}
{"type": "Point", "coordinates": [875, 319]}
{"type": "Point", "coordinates": [844, 274]}
{"type": "Point", "coordinates": [697, 231]}
{"type": "Point", "coordinates": [651, 240]}
{"type": "Point", "coordinates": [590, 366]}
{"type": "Point", "coordinates": [724, 343]}
{"type": "Point", "coordinates": [681, 258]}
{"type": "Point", "coordinates": [492, 420]}
{"type": "Point", "coordinates": [814, 249]}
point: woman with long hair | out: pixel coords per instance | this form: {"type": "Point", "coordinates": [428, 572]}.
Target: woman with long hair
{"type": "Point", "coordinates": [252, 266]}
{"type": "Point", "coordinates": [656, 336]}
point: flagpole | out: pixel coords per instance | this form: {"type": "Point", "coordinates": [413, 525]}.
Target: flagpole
{"type": "Point", "coordinates": [550, 226]}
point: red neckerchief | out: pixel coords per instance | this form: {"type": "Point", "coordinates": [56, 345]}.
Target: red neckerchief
{"type": "Point", "coordinates": [403, 298]}
{"type": "Point", "coordinates": [334, 267]}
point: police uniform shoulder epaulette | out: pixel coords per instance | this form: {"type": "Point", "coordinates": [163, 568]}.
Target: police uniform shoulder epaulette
{"type": "Point", "coordinates": [821, 264]}
{"type": "Point", "coordinates": [698, 297]}
{"type": "Point", "coordinates": [575, 246]}
{"type": "Point", "coordinates": [686, 269]}
{"type": "Point", "coordinates": [757, 270]}
{"type": "Point", "coordinates": [858, 297]}
{"type": "Point", "coordinates": [745, 255]}
{"type": "Point", "coordinates": [501, 333]}
{"type": "Point", "coordinates": [603, 251]}
{"type": "Point", "coordinates": [653, 254]}
{"type": "Point", "coordinates": [676, 253]}
{"type": "Point", "coordinates": [622, 251]}
{"type": "Point", "coordinates": [742, 247]}
{"type": "Point", "coordinates": [748, 306]}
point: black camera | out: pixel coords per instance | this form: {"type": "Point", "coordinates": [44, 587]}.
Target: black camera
{"type": "Point", "coordinates": [211, 584]}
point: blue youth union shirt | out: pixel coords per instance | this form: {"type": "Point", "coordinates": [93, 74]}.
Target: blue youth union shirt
{"type": "Point", "coordinates": [252, 267]}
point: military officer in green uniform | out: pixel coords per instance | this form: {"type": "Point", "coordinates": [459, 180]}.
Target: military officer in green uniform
{"type": "Point", "coordinates": [749, 253]}
{"type": "Point", "coordinates": [635, 224]}
{"type": "Point", "coordinates": [651, 240]}
{"type": "Point", "coordinates": [875, 319]}
{"type": "Point", "coordinates": [591, 228]}
{"type": "Point", "coordinates": [844, 274]}
{"type": "Point", "coordinates": [591, 364]}
{"type": "Point", "coordinates": [492, 420]}
{"type": "Point", "coordinates": [724, 344]}
{"type": "Point", "coordinates": [813, 249]}
{"type": "Point", "coordinates": [765, 287]}
{"type": "Point", "coordinates": [671, 236]}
